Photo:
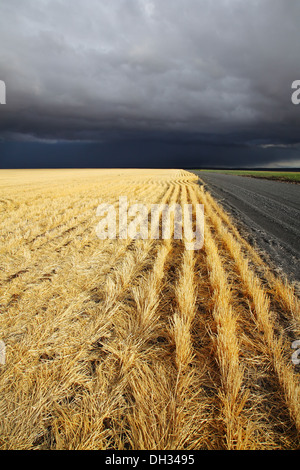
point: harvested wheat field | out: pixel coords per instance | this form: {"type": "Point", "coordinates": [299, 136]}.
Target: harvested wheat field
{"type": "Point", "coordinates": [138, 344]}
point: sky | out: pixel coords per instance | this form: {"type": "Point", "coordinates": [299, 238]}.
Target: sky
{"type": "Point", "coordinates": [149, 83]}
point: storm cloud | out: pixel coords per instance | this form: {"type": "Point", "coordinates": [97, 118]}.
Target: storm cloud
{"type": "Point", "coordinates": [199, 77]}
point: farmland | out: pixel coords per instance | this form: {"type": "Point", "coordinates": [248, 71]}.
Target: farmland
{"type": "Point", "coordinates": [289, 176]}
{"type": "Point", "coordinates": [266, 212]}
{"type": "Point", "coordinates": [138, 344]}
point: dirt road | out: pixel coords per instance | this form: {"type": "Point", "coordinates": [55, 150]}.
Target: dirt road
{"type": "Point", "coordinates": [267, 211]}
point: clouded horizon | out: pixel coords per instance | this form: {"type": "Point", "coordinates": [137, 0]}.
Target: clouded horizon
{"type": "Point", "coordinates": [152, 83]}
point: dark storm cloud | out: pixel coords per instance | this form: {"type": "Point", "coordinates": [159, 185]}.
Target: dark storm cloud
{"type": "Point", "coordinates": [105, 71]}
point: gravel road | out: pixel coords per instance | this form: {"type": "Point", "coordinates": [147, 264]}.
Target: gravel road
{"type": "Point", "coordinates": [267, 212]}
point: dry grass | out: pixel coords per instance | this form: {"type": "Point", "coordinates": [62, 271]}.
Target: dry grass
{"type": "Point", "coordinates": [138, 344]}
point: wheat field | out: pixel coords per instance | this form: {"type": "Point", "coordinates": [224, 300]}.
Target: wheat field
{"type": "Point", "coordinates": [138, 344]}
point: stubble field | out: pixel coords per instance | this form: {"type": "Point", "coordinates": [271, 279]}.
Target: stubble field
{"type": "Point", "coordinates": [138, 344]}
